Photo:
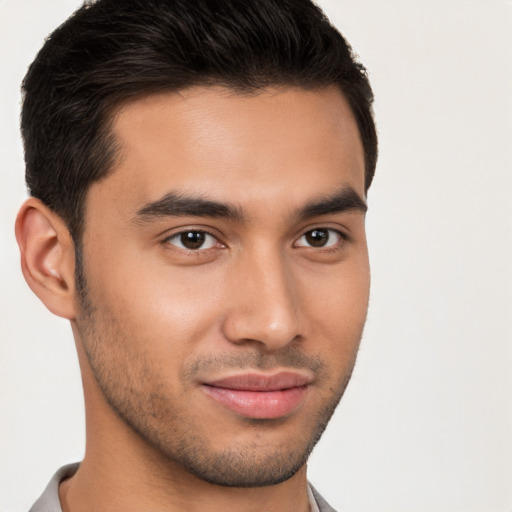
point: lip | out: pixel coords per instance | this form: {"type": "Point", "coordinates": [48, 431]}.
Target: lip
{"type": "Point", "coordinates": [259, 396]}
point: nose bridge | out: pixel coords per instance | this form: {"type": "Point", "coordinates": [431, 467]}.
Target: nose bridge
{"type": "Point", "coordinates": [265, 306]}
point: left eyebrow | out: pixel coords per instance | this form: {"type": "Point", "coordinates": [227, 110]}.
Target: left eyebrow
{"type": "Point", "coordinates": [346, 199]}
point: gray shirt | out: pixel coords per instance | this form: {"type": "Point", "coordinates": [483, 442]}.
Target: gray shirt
{"type": "Point", "coordinates": [49, 500]}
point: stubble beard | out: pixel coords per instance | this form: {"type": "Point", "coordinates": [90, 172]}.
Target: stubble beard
{"type": "Point", "coordinates": [125, 382]}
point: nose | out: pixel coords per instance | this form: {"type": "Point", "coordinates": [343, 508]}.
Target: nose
{"type": "Point", "coordinates": [263, 305]}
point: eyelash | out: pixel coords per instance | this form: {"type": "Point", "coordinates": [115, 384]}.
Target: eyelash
{"type": "Point", "coordinates": [341, 238]}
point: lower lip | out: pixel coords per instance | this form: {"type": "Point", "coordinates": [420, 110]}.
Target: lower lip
{"type": "Point", "coordinates": [258, 404]}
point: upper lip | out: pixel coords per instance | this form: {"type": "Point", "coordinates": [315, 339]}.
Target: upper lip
{"type": "Point", "coordinates": [261, 382]}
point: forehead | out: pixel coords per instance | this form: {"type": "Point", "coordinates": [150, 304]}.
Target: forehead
{"type": "Point", "coordinates": [222, 144]}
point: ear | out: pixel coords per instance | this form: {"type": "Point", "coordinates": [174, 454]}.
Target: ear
{"type": "Point", "coordinates": [47, 257]}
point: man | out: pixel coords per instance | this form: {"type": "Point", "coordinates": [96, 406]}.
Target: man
{"type": "Point", "coordinates": [198, 173]}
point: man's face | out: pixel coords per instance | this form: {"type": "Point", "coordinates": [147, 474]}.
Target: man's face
{"type": "Point", "coordinates": [227, 276]}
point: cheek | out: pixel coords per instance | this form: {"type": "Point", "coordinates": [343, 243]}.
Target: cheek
{"type": "Point", "coordinates": [337, 308]}
{"type": "Point", "coordinates": [159, 303]}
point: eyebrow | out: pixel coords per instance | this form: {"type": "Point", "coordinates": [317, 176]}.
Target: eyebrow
{"type": "Point", "coordinates": [344, 200]}
{"type": "Point", "coordinates": [181, 205]}
{"type": "Point", "coordinates": [175, 204]}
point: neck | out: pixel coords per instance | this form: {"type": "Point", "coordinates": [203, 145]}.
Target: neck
{"type": "Point", "coordinates": [93, 488]}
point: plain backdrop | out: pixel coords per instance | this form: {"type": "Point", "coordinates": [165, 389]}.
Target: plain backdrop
{"type": "Point", "coordinates": [426, 423]}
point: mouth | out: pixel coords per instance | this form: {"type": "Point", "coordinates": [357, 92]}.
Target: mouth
{"type": "Point", "coordinates": [260, 396]}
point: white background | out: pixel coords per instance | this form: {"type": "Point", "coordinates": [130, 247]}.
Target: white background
{"type": "Point", "coordinates": [426, 424]}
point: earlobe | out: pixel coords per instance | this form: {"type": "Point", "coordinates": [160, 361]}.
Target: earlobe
{"type": "Point", "coordinates": [47, 257]}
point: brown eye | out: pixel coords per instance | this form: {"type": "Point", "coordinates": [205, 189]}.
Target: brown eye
{"type": "Point", "coordinates": [319, 238]}
{"type": "Point", "coordinates": [192, 240]}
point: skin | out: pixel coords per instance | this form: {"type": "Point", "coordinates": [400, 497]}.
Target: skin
{"type": "Point", "coordinates": [156, 319]}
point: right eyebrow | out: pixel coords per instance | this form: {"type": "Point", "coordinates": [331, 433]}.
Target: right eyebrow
{"type": "Point", "coordinates": [180, 205]}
